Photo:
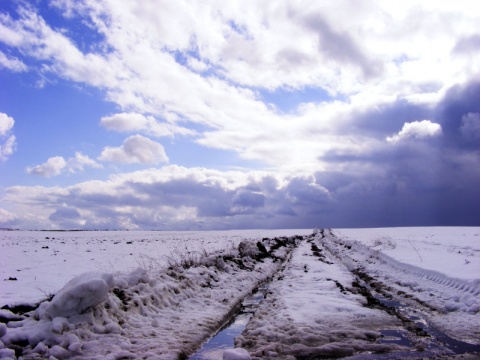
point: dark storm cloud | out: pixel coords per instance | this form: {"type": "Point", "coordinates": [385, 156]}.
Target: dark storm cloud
{"type": "Point", "coordinates": [458, 102]}
{"type": "Point", "coordinates": [246, 201]}
{"type": "Point", "coordinates": [413, 181]}
{"type": "Point", "coordinates": [384, 120]}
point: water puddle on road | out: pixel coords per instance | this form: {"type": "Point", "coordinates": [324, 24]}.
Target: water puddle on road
{"type": "Point", "coordinates": [416, 326]}
{"type": "Point", "coordinates": [396, 337]}
{"type": "Point", "coordinates": [224, 339]}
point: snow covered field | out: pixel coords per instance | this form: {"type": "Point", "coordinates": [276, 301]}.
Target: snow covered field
{"type": "Point", "coordinates": [356, 293]}
{"type": "Point", "coordinates": [43, 261]}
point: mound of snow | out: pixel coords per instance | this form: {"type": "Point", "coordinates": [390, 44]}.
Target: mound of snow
{"type": "Point", "coordinates": [79, 294]}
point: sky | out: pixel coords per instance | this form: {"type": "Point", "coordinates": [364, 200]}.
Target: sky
{"type": "Point", "coordinates": [188, 115]}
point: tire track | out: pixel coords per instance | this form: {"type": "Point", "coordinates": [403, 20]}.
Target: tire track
{"type": "Point", "coordinates": [387, 285]}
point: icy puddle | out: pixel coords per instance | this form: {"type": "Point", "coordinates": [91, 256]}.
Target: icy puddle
{"type": "Point", "coordinates": [213, 349]}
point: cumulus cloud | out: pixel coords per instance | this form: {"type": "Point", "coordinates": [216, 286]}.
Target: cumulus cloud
{"type": "Point", "coordinates": [57, 165]}
{"type": "Point", "coordinates": [7, 139]}
{"type": "Point", "coordinates": [174, 197]}
{"type": "Point", "coordinates": [80, 161]}
{"type": "Point", "coordinates": [135, 149]}
{"type": "Point", "coordinates": [52, 167]}
{"type": "Point", "coordinates": [170, 197]}
{"type": "Point", "coordinates": [417, 130]}
{"type": "Point", "coordinates": [134, 122]}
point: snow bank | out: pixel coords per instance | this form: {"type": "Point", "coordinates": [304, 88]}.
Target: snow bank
{"type": "Point", "coordinates": [44, 261]}
{"type": "Point", "coordinates": [80, 294]}
{"type": "Point", "coordinates": [161, 314]}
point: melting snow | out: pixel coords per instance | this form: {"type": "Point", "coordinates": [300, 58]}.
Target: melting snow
{"type": "Point", "coordinates": [156, 295]}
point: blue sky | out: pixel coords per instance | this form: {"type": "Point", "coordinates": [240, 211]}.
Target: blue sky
{"type": "Point", "coordinates": [217, 115]}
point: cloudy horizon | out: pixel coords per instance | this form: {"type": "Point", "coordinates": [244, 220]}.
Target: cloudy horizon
{"type": "Point", "coordinates": [230, 115]}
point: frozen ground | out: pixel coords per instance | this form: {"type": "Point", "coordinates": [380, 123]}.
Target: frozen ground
{"type": "Point", "coordinates": [357, 293]}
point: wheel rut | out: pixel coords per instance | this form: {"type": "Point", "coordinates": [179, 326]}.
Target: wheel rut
{"type": "Point", "coordinates": [416, 330]}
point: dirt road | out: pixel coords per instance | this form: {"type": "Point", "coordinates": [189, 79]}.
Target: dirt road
{"type": "Point", "coordinates": [339, 298]}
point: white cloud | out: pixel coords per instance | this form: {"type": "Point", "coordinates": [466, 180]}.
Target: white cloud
{"type": "Point", "coordinates": [7, 147]}
{"type": "Point", "coordinates": [134, 122]}
{"type": "Point", "coordinates": [12, 63]}
{"type": "Point", "coordinates": [80, 161]}
{"type": "Point", "coordinates": [57, 165]}
{"type": "Point", "coordinates": [52, 167]}
{"type": "Point", "coordinates": [36, 38]}
{"type": "Point", "coordinates": [6, 124]}
{"type": "Point", "coordinates": [243, 48]}
{"type": "Point", "coordinates": [417, 130]}
{"type": "Point", "coordinates": [135, 149]}
{"type": "Point", "coordinates": [8, 142]}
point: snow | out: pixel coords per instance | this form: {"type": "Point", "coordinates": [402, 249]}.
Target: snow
{"type": "Point", "coordinates": [79, 294]}
{"type": "Point", "coordinates": [43, 261]}
{"type": "Point", "coordinates": [159, 295]}
{"type": "Point", "coordinates": [453, 251]}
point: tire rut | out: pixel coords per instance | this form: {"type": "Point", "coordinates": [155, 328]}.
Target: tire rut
{"type": "Point", "coordinates": [413, 313]}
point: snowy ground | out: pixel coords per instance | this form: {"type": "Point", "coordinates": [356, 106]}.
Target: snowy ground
{"type": "Point", "coordinates": [358, 293]}
{"type": "Point", "coordinates": [43, 261]}
{"type": "Point", "coordinates": [339, 297]}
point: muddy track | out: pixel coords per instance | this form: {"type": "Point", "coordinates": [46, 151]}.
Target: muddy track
{"type": "Point", "coordinates": [355, 303]}
{"type": "Point", "coordinates": [396, 296]}
{"type": "Point", "coordinates": [267, 250]}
